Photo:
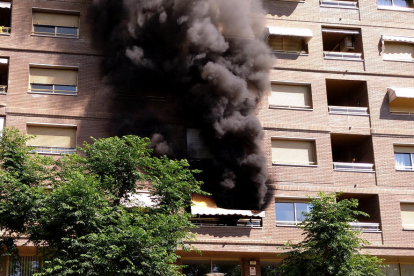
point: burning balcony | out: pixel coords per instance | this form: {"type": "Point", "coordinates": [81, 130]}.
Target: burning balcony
{"type": "Point", "coordinates": [5, 17]}
{"type": "Point", "coordinates": [4, 72]}
{"type": "Point", "coordinates": [206, 213]}
{"type": "Point", "coordinates": [369, 204]}
{"type": "Point", "coordinates": [352, 153]}
{"type": "Point", "coordinates": [343, 44]}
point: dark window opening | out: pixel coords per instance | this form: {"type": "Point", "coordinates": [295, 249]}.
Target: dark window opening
{"type": "Point", "coordinates": [342, 43]}
{"type": "Point", "coordinates": [347, 97]}
{"type": "Point", "coordinates": [4, 74]}
{"type": "Point", "coordinates": [5, 17]}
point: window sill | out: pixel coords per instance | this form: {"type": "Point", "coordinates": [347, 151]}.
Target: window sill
{"type": "Point", "coordinates": [3, 93]}
{"type": "Point", "coordinates": [294, 165]}
{"type": "Point", "coordinates": [40, 35]}
{"type": "Point", "coordinates": [286, 225]}
{"type": "Point", "coordinates": [348, 114]}
{"type": "Point", "coordinates": [401, 114]}
{"type": "Point", "coordinates": [5, 34]}
{"type": "Point", "coordinates": [399, 60]}
{"type": "Point", "coordinates": [408, 229]}
{"type": "Point", "coordinates": [288, 53]}
{"type": "Point", "coordinates": [290, 108]}
{"type": "Point", "coordinates": [402, 170]}
{"type": "Point", "coordinates": [339, 7]}
{"type": "Point", "coordinates": [391, 8]}
{"type": "Point", "coordinates": [50, 93]}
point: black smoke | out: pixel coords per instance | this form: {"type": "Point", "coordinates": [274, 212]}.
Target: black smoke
{"type": "Point", "coordinates": [211, 56]}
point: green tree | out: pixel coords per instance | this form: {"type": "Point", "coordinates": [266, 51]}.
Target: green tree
{"type": "Point", "coordinates": [77, 209]}
{"type": "Point", "coordinates": [330, 246]}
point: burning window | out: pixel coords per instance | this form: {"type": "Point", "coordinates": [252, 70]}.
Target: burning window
{"type": "Point", "coordinates": [289, 40]}
{"type": "Point", "coordinates": [4, 72]}
{"type": "Point", "coordinates": [53, 80]}
{"type": "Point", "coordinates": [398, 48]}
{"type": "Point", "coordinates": [52, 139]}
{"type": "Point", "coordinates": [291, 212]}
{"type": "Point", "coordinates": [55, 24]}
{"type": "Point", "coordinates": [293, 152]}
{"type": "Point", "coordinates": [5, 17]}
{"type": "Point", "coordinates": [286, 95]}
{"type": "Point", "coordinates": [342, 44]}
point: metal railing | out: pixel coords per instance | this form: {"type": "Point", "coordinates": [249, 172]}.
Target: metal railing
{"type": "Point", "coordinates": [247, 222]}
{"type": "Point", "coordinates": [348, 110]}
{"type": "Point", "coordinates": [338, 3]}
{"type": "Point", "coordinates": [342, 55]}
{"type": "Point", "coordinates": [353, 167]}
{"type": "Point", "coordinates": [284, 162]}
{"type": "Point", "coordinates": [4, 30]}
{"type": "Point", "coordinates": [53, 150]}
{"type": "Point", "coordinates": [3, 88]}
{"type": "Point", "coordinates": [366, 227]}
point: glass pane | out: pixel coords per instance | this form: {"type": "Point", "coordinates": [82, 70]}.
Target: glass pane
{"type": "Point", "coordinates": [41, 88]}
{"type": "Point", "coordinates": [27, 266]}
{"type": "Point", "coordinates": [402, 161]}
{"type": "Point", "coordinates": [269, 268]}
{"type": "Point", "coordinates": [44, 29]}
{"type": "Point", "coordinates": [407, 269]}
{"type": "Point", "coordinates": [228, 268]}
{"type": "Point", "coordinates": [301, 208]}
{"type": "Point", "coordinates": [294, 44]}
{"type": "Point", "coordinates": [65, 89]}
{"type": "Point", "coordinates": [69, 31]}
{"type": "Point", "coordinates": [275, 42]}
{"type": "Point", "coordinates": [196, 267]}
{"type": "Point", "coordinates": [392, 270]}
{"type": "Point", "coordinates": [384, 3]}
{"type": "Point", "coordinates": [402, 3]}
{"type": "Point", "coordinates": [285, 212]}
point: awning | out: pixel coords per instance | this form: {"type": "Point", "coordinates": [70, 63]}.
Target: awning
{"type": "Point", "coordinates": [400, 93]}
{"type": "Point", "coordinates": [4, 61]}
{"type": "Point", "coordinates": [306, 33]}
{"type": "Point", "coordinates": [397, 38]}
{"type": "Point", "coordinates": [6, 5]}
{"type": "Point", "coordinates": [141, 199]}
{"type": "Point", "coordinates": [224, 212]}
{"type": "Point", "coordinates": [339, 31]}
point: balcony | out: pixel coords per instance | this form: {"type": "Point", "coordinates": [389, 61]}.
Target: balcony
{"type": "Point", "coordinates": [5, 17]}
{"type": "Point", "coordinates": [339, 3]}
{"type": "Point", "coordinates": [342, 56]}
{"type": "Point", "coordinates": [353, 167]}
{"type": "Point", "coordinates": [348, 110]}
{"type": "Point", "coordinates": [366, 227]}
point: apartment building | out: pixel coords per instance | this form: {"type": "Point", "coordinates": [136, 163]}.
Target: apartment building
{"type": "Point", "coordinates": [339, 117]}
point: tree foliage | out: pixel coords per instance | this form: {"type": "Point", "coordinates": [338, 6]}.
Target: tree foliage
{"type": "Point", "coordinates": [74, 208]}
{"type": "Point", "coordinates": [330, 246]}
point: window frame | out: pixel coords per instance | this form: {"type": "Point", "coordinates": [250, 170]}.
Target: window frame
{"type": "Point", "coordinates": [299, 139]}
{"type": "Point", "coordinates": [295, 222]}
{"type": "Point", "coordinates": [394, 7]}
{"type": "Point", "coordinates": [36, 259]}
{"type": "Point", "coordinates": [411, 169]}
{"type": "Point", "coordinates": [307, 84]}
{"type": "Point", "coordinates": [55, 34]}
{"type": "Point", "coordinates": [305, 48]}
{"type": "Point", "coordinates": [384, 42]}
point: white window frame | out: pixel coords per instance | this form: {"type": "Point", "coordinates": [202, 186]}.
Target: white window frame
{"type": "Point", "coordinates": [307, 108]}
{"type": "Point", "coordinates": [294, 223]}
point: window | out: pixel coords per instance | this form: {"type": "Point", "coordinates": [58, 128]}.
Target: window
{"type": "Point", "coordinates": [1, 125]}
{"type": "Point", "coordinates": [339, 3]}
{"type": "Point", "coordinates": [401, 100]}
{"type": "Point", "coordinates": [59, 25]}
{"type": "Point", "coordinates": [204, 267]}
{"type": "Point", "coordinates": [52, 139]}
{"type": "Point", "coordinates": [289, 40]}
{"type": "Point", "coordinates": [397, 50]}
{"type": "Point", "coordinates": [342, 44]}
{"type": "Point", "coordinates": [395, 3]}
{"type": "Point", "coordinates": [269, 268]}
{"type": "Point", "coordinates": [5, 17]}
{"type": "Point", "coordinates": [290, 96]}
{"type": "Point", "coordinates": [54, 81]}
{"type": "Point", "coordinates": [4, 71]}
{"type": "Point", "coordinates": [294, 152]}
{"type": "Point", "coordinates": [398, 269]}
{"type": "Point", "coordinates": [28, 266]}
{"type": "Point", "coordinates": [407, 216]}
{"type": "Point", "coordinates": [291, 213]}
{"type": "Point", "coordinates": [404, 157]}
{"type": "Point", "coordinates": [196, 148]}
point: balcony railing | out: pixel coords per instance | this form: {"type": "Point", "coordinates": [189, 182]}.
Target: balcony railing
{"type": "Point", "coordinates": [348, 110]}
{"type": "Point", "coordinates": [53, 150]}
{"type": "Point", "coordinates": [353, 167]}
{"type": "Point", "coordinates": [3, 88]}
{"type": "Point", "coordinates": [4, 30]}
{"type": "Point", "coordinates": [342, 55]}
{"type": "Point", "coordinates": [244, 222]}
{"type": "Point", "coordinates": [336, 3]}
{"type": "Point", "coordinates": [366, 227]}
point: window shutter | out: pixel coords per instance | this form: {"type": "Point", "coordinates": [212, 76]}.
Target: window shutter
{"type": "Point", "coordinates": [53, 76]}
{"type": "Point", "coordinates": [275, 42]}
{"type": "Point", "coordinates": [55, 19]}
{"type": "Point", "coordinates": [52, 136]}
{"type": "Point", "coordinates": [403, 149]}
{"type": "Point", "coordinates": [290, 96]}
{"type": "Point", "coordinates": [407, 215]}
{"type": "Point", "coordinates": [398, 50]}
{"type": "Point", "coordinates": [294, 44]}
{"type": "Point", "coordinates": [293, 152]}
{"type": "Point", "coordinates": [196, 147]}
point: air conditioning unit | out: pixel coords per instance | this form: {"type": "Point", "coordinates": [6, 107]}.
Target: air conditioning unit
{"type": "Point", "coordinates": [347, 44]}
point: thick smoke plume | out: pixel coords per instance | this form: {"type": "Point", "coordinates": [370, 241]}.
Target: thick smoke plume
{"type": "Point", "coordinates": [211, 56]}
